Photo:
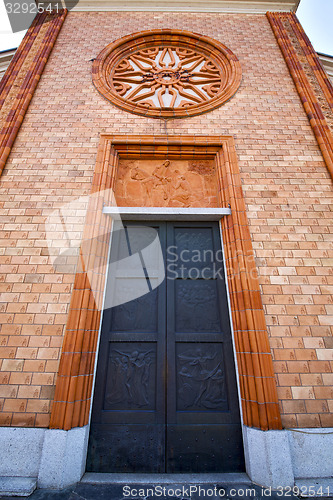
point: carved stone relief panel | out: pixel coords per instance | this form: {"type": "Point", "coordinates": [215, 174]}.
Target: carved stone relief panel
{"type": "Point", "coordinates": [166, 183]}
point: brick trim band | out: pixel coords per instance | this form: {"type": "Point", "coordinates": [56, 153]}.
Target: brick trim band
{"type": "Point", "coordinates": [255, 367]}
{"type": "Point", "coordinates": [305, 90]}
{"type": "Point", "coordinates": [13, 119]}
{"type": "Point", "coordinates": [71, 404]}
{"type": "Point", "coordinates": [312, 58]}
{"type": "Point", "coordinates": [20, 56]}
{"type": "Point", "coordinates": [73, 394]}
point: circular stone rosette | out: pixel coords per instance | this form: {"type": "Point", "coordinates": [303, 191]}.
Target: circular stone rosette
{"type": "Point", "coordinates": [167, 73]}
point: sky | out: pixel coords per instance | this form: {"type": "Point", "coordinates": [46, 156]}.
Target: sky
{"type": "Point", "coordinates": [316, 17]}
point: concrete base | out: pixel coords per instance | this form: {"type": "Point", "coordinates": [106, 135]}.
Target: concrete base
{"type": "Point", "coordinates": [267, 457]}
{"type": "Point", "coordinates": [20, 451]}
{"type": "Point", "coordinates": [50, 457]}
{"type": "Point", "coordinates": [311, 452]}
{"type": "Point", "coordinates": [318, 487]}
{"type": "Point", "coordinates": [63, 457]}
{"type": "Point", "coordinates": [281, 458]}
{"type": "Point", "coordinates": [17, 486]}
{"type": "Point", "coordinates": [56, 459]}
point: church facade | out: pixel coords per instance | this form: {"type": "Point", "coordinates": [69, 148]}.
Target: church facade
{"type": "Point", "coordinates": [166, 263]}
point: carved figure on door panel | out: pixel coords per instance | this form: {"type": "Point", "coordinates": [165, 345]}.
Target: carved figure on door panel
{"type": "Point", "coordinates": [131, 378]}
{"type": "Point", "coordinates": [119, 392]}
{"type": "Point", "coordinates": [200, 385]}
{"type": "Point", "coordinates": [138, 377]}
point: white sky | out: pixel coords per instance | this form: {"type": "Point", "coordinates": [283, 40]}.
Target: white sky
{"type": "Point", "coordinates": [8, 40]}
{"type": "Point", "coordinates": [316, 17]}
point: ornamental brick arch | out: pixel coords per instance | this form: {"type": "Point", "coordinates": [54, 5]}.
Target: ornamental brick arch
{"type": "Point", "coordinates": [167, 73]}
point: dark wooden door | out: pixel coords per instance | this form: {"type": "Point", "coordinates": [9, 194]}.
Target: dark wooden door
{"type": "Point", "coordinates": [165, 393]}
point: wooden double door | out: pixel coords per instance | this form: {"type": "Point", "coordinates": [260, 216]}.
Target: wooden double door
{"type": "Point", "coordinates": [165, 393]}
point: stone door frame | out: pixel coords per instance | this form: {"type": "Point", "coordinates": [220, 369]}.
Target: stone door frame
{"type": "Point", "coordinates": [73, 395]}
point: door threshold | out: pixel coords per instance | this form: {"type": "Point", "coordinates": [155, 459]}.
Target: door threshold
{"type": "Point", "coordinates": [187, 478]}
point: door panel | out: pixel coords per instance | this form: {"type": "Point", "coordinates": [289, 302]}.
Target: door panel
{"type": "Point", "coordinates": [200, 388]}
{"type": "Point", "coordinates": [131, 377]}
{"type": "Point", "coordinates": [196, 306]}
{"type": "Point", "coordinates": [166, 395]}
{"type": "Point", "coordinates": [128, 419]}
{"type": "Point", "coordinates": [207, 448]}
{"type": "Point", "coordinates": [202, 403]}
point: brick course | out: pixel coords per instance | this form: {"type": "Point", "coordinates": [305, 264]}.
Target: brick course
{"type": "Point", "coordinates": [287, 188]}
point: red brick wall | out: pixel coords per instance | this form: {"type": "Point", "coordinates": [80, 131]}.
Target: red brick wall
{"type": "Point", "coordinates": [285, 181]}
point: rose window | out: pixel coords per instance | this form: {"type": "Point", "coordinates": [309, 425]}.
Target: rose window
{"type": "Point", "coordinates": [166, 74]}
